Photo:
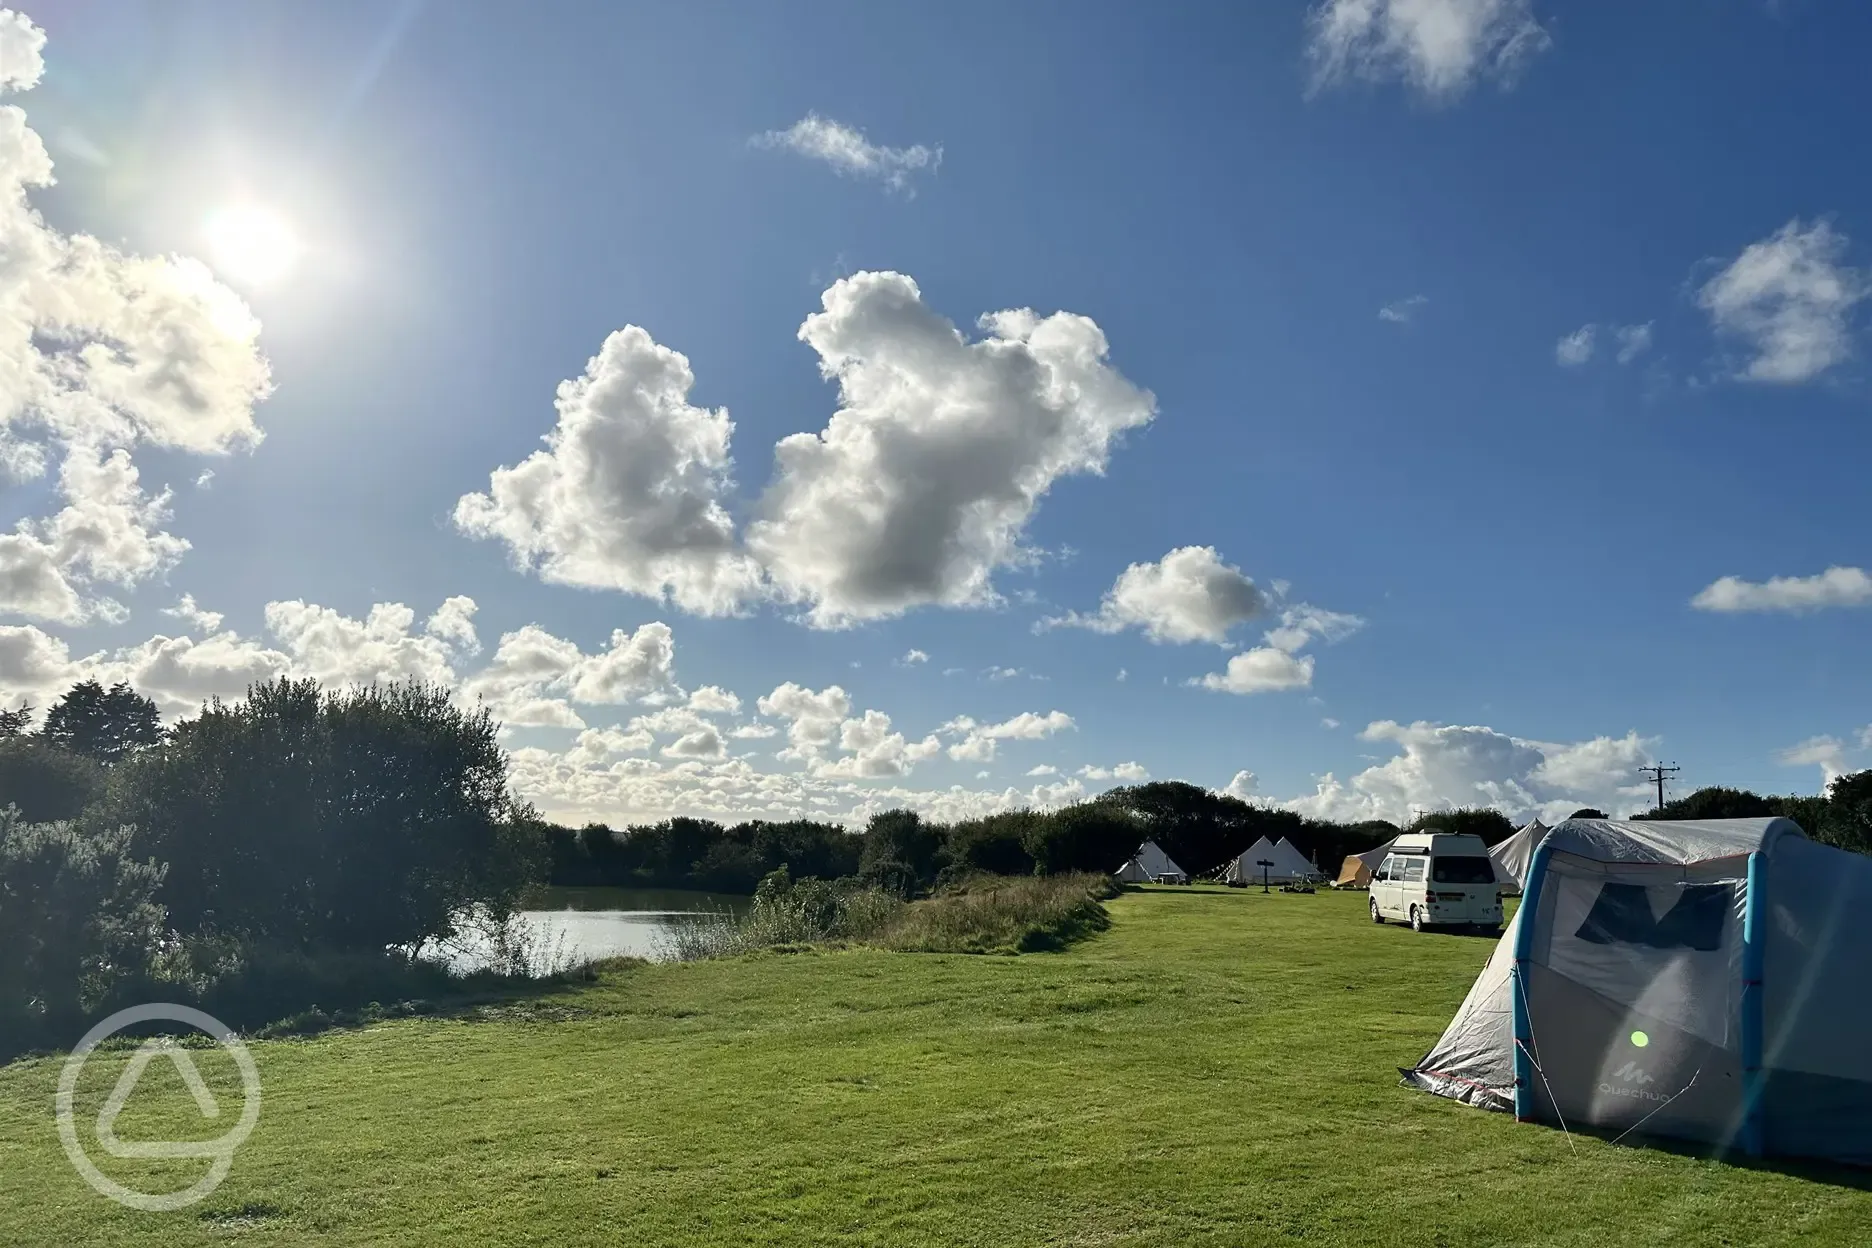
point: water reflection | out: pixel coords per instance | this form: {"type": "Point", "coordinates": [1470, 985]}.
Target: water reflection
{"type": "Point", "coordinates": [567, 926]}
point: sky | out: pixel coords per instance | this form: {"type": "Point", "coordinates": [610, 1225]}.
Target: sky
{"type": "Point", "coordinates": [1361, 406]}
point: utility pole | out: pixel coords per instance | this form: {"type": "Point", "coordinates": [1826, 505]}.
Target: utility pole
{"type": "Point", "coordinates": [1657, 772]}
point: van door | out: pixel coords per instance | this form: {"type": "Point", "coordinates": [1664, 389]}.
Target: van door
{"type": "Point", "coordinates": [1413, 890]}
{"type": "Point", "coordinates": [1384, 888]}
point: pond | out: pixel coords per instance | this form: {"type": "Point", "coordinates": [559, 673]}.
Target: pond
{"type": "Point", "coordinates": [567, 926]}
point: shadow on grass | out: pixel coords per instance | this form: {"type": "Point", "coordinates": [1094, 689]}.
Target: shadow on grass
{"type": "Point", "coordinates": [1831, 1173]}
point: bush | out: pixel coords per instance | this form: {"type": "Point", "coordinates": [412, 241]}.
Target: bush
{"type": "Point", "coordinates": [46, 781]}
{"type": "Point", "coordinates": [787, 913]}
{"type": "Point", "coordinates": [77, 919]}
{"type": "Point", "coordinates": [1004, 914]}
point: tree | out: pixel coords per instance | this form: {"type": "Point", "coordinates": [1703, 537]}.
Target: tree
{"type": "Point", "coordinates": [1716, 802]}
{"type": "Point", "coordinates": [899, 852]}
{"type": "Point", "coordinates": [46, 781]}
{"type": "Point", "coordinates": [105, 724]}
{"type": "Point", "coordinates": [1491, 825]}
{"type": "Point", "coordinates": [355, 820]}
{"type": "Point", "coordinates": [1848, 822]}
{"type": "Point", "coordinates": [14, 723]}
{"type": "Point", "coordinates": [1197, 827]}
{"type": "Point", "coordinates": [1587, 812]}
{"type": "Point", "coordinates": [1091, 836]}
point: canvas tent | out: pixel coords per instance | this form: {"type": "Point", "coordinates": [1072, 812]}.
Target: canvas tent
{"type": "Point", "coordinates": [1151, 864]}
{"type": "Point", "coordinates": [1698, 979]}
{"type": "Point", "coordinates": [1356, 871]}
{"type": "Point", "coordinates": [1512, 855]}
{"type": "Point", "coordinates": [1289, 867]}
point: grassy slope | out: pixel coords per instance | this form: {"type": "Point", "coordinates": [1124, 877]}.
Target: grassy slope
{"type": "Point", "coordinates": [1215, 1069]}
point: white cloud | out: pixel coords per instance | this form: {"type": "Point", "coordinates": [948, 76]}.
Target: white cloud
{"type": "Point", "coordinates": [1788, 298]}
{"type": "Point", "coordinates": [1826, 753]}
{"type": "Point", "coordinates": [337, 650]}
{"type": "Point", "coordinates": [977, 742]}
{"type": "Point", "coordinates": [914, 657]}
{"type": "Point", "coordinates": [1577, 347]}
{"type": "Point", "coordinates": [1633, 341]}
{"type": "Point", "coordinates": [1329, 723]}
{"type": "Point", "coordinates": [754, 732]}
{"type": "Point", "coordinates": [204, 479]}
{"type": "Point", "coordinates": [847, 151]}
{"type": "Point", "coordinates": [1402, 311]}
{"type": "Point", "coordinates": [1443, 766]}
{"type": "Point", "coordinates": [1123, 675]}
{"type": "Point", "coordinates": [195, 617]}
{"type": "Point", "coordinates": [814, 718]}
{"type": "Point", "coordinates": [1188, 595]}
{"type": "Point", "coordinates": [1835, 587]}
{"type": "Point", "coordinates": [921, 485]}
{"type": "Point", "coordinates": [22, 46]}
{"type": "Point", "coordinates": [453, 624]}
{"type": "Point", "coordinates": [1264, 669]}
{"type": "Point", "coordinates": [1129, 773]}
{"type": "Point", "coordinates": [872, 750]}
{"type": "Point", "coordinates": [1243, 785]}
{"type": "Point", "coordinates": [1438, 47]}
{"type": "Point", "coordinates": [628, 493]}
{"type": "Point", "coordinates": [703, 742]}
{"type": "Point", "coordinates": [714, 700]}
{"type": "Point", "coordinates": [1278, 665]}
{"type": "Point", "coordinates": [635, 665]}
{"type": "Point", "coordinates": [1043, 769]}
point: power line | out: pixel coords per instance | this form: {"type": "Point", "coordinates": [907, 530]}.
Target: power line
{"type": "Point", "coordinates": [1657, 771]}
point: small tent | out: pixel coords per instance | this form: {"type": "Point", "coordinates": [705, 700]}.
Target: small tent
{"type": "Point", "coordinates": [1512, 855]}
{"type": "Point", "coordinates": [1288, 867]}
{"type": "Point", "coordinates": [1150, 863]}
{"type": "Point", "coordinates": [1356, 871]}
{"type": "Point", "coordinates": [1704, 980]}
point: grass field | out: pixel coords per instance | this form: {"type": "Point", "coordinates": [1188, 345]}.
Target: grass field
{"type": "Point", "coordinates": [1218, 1068]}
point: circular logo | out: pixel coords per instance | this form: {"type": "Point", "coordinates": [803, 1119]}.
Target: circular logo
{"type": "Point", "coordinates": [221, 1150]}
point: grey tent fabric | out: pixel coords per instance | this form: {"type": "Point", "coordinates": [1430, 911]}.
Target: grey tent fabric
{"type": "Point", "coordinates": [1643, 1009]}
{"type": "Point", "coordinates": [1132, 872]}
{"type": "Point", "coordinates": [1511, 857]}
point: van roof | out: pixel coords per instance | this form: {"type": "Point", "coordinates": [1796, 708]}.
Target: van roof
{"type": "Point", "coordinates": [1457, 843]}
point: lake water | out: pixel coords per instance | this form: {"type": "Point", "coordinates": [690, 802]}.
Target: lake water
{"type": "Point", "coordinates": [567, 926]}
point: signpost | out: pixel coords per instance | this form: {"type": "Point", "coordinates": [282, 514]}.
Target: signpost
{"type": "Point", "coordinates": [1264, 864]}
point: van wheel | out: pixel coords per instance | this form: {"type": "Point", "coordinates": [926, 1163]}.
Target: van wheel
{"type": "Point", "coordinates": [1375, 916]}
{"type": "Point", "coordinates": [1416, 919]}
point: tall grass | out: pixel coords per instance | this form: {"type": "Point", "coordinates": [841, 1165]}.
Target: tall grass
{"type": "Point", "coordinates": [980, 914]}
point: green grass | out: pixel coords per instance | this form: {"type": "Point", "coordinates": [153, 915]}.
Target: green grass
{"type": "Point", "coordinates": [1217, 1068]}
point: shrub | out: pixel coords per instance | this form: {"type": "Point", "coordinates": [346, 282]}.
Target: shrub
{"type": "Point", "coordinates": [1004, 914]}
{"type": "Point", "coordinates": [77, 919]}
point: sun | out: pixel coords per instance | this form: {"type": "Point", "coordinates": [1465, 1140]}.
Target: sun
{"type": "Point", "coordinates": [252, 244]}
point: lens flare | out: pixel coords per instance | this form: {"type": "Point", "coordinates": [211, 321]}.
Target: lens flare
{"type": "Point", "coordinates": [1639, 1039]}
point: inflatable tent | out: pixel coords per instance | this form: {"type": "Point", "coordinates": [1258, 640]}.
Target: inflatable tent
{"type": "Point", "coordinates": [1704, 980]}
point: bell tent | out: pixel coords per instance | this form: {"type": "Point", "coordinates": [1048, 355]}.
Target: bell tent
{"type": "Point", "coordinates": [1151, 864]}
{"type": "Point", "coordinates": [1356, 870]}
{"type": "Point", "coordinates": [1512, 855]}
{"type": "Point", "coordinates": [1287, 867]}
{"type": "Point", "coordinates": [1704, 980]}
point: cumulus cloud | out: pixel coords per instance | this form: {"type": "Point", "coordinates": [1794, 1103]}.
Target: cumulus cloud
{"type": "Point", "coordinates": [100, 352]}
{"type": "Point", "coordinates": [1243, 786]}
{"type": "Point", "coordinates": [1129, 773]}
{"type": "Point", "coordinates": [1827, 753]}
{"type": "Point", "coordinates": [848, 152]}
{"type": "Point", "coordinates": [196, 617]}
{"type": "Point", "coordinates": [1188, 595]}
{"type": "Point", "coordinates": [1441, 766]}
{"type": "Point", "coordinates": [1402, 311]}
{"type": "Point", "coordinates": [1279, 665]}
{"type": "Point", "coordinates": [913, 657]}
{"type": "Point", "coordinates": [1438, 47]}
{"type": "Point", "coordinates": [1577, 347]}
{"type": "Point", "coordinates": [628, 493]}
{"type": "Point", "coordinates": [977, 743]}
{"type": "Point", "coordinates": [1835, 587]}
{"type": "Point", "coordinates": [1788, 299]}
{"type": "Point", "coordinates": [921, 485]}
{"type": "Point", "coordinates": [813, 719]}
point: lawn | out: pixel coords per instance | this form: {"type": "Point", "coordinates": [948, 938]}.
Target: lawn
{"type": "Point", "coordinates": [1218, 1068]}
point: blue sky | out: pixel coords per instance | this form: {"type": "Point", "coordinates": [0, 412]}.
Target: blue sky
{"type": "Point", "coordinates": [1506, 529]}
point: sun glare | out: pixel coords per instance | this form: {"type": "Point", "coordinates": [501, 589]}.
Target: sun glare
{"type": "Point", "coordinates": [252, 244]}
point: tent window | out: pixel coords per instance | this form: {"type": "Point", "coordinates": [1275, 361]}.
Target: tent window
{"type": "Point", "coordinates": [1470, 870]}
{"type": "Point", "coordinates": [1413, 871]}
{"type": "Point", "coordinates": [1622, 916]}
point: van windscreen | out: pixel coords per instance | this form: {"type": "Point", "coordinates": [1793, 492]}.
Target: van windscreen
{"type": "Point", "coordinates": [1462, 871]}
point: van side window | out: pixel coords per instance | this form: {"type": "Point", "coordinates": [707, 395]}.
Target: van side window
{"type": "Point", "coordinates": [1384, 870]}
{"type": "Point", "coordinates": [1413, 871]}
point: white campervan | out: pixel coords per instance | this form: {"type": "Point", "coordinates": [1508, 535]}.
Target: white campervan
{"type": "Point", "coordinates": [1437, 880]}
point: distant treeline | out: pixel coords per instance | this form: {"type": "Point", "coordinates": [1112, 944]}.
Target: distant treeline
{"type": "Point", "coordinates": [1199, 828]}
